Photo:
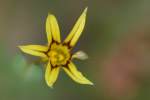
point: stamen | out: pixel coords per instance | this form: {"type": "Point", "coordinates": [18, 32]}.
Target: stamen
{"type": "Point", "coordinates": [58, 54]}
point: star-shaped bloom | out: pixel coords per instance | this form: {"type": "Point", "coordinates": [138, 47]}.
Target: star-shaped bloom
{"type": "Point", "coordinates": [58, 54]}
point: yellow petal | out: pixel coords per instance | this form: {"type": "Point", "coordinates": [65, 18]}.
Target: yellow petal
{"type": "Point", "coordinates": [80, 55]}
{"type": "Point", "coordinates": [36, 47]}
{"type": "Point", "coordinates": [35, 50]}
{"type": "Point", "coordinates": [76, 75]}
{"type": "Point", "coordinates": [52, 29]}
{"type": "Point", "coordinates": [74, 35]}
{"type": "Point", "coordinates": [48, 30]}
{"type": "Point", "coordinates": [51, 74]}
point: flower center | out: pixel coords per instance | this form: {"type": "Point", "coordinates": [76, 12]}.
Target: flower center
{"type": "Point", "coordinates": [59, 54]}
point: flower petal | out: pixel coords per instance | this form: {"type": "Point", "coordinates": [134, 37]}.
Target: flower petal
{"type": "Point", "coordinates": [74, 35]}
{"type": "Point", "coordinates": [52, 29]}
{"type": "Point", "coordinates": [80, 55]}
{"type": "Point", "coordinates": [36, 50]}
{"type": "Point", "coordinates": [48, 30]}
{"type": "Point", "coordinates": [76, 75]}
{"type": "Point", "coordinates": [51, 74]}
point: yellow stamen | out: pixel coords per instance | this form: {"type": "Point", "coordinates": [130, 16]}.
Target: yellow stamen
{"type": "Point", "coordinates": [59, 54]}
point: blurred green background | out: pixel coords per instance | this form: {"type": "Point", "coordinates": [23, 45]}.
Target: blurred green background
{"type": "Point", "coordinates": [116, 38]}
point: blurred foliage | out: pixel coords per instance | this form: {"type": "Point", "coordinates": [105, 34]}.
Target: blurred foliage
{"type": "Point", "coordinates": [29, 72]}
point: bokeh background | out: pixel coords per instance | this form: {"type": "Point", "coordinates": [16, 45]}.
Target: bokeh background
{"type": "Point", "coordinates": [116, 38]}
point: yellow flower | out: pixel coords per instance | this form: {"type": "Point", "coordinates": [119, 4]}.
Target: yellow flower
{"type": "Point", "coordinates": [58, 54]}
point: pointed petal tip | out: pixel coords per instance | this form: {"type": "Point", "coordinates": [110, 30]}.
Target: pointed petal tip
{"type": "Point", "coordinates": [20, 47]}
{"type": "Point", "coordinates": [50, 15]}
{"type": "Point", "coordinates": [85, 10]}
{"type": "Point", "coordinates": [90, 83]}
{"type": "Point", "coordinates": [50, 85]}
